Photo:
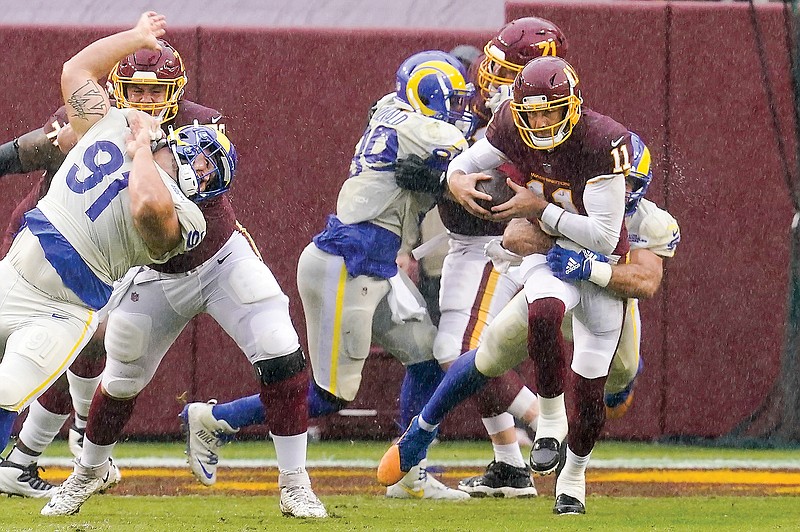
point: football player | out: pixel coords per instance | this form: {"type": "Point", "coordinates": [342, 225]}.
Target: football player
{"type": "Point", "coordinates": [352, 292]}
{"type": "Point", "coordinates": [573, 162]}
{"type": "Point", "coordinates": [154, 82]}
{"type": "Point", "coordinates": [114, 204]}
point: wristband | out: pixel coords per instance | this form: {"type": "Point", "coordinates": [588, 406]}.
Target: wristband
{"type": "Point", "coordinates": [601, 273]}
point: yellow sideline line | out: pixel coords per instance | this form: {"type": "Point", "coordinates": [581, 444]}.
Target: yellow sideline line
{"type": "Point", "coordinates": [693, 476]}
{"type": "Point", "coordinates": [786, 479]}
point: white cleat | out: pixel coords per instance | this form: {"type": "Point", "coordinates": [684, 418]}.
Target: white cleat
{"type": "Point", "coordinates": [418, 484]}
{"type": "Point", "coordinates": [81, 484]}
{"type": "Point", "coordinates": [204, 435]}
{"type": "Point", "coordinates": [114, 478]}
{"type": "Point", "coordinates": [297, 497]}
{"type": "Point", "coordinates": [24, 481]}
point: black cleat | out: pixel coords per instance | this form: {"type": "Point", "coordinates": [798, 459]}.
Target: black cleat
{"type": "Point", "coordinates": [566, 505]}
{"type": "Point", "coordinates": [500, 480]}
{"type": "Point", "coordinates": [545, 456]}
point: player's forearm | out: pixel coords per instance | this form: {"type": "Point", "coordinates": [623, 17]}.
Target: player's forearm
{"type": "Point", "coordinates": [151, 204]}
{"type": "Point", "coordinates": [95, 61]}
{"type": "Point", "coordinates": [600, 229]}
{"type": "Point", "coordinates": [636, 280]}
{"type": "Point", "coordinates": [29, 152]}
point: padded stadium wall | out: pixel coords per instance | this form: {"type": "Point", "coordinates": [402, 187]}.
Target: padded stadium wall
{"type": "Point", "coordinates": [685, 76]}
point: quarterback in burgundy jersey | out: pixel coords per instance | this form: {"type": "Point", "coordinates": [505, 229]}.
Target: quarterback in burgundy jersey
{"type": "Point", "coordinates": [573, 170]}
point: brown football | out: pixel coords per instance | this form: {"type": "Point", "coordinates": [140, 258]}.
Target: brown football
{"type": "Point", "coordinates": [496, 187]}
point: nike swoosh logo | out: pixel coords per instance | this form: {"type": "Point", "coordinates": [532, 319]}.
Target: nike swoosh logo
{"type": "Point", "coordinates": [416, 494]}
{"type": "Point", "coordinates": [205, 472]}
{"type": "Point", "coordinates": [220, 261]}
{"type": "Point", "coordinates": [615, 143]}
{"type": "Point", "coordinates": [216, 119]}
{"type": "Point", "coordinates": [60, 316]}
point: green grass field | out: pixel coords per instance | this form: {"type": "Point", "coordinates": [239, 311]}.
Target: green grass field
{"type": "Point", "coordinates": [358, 512]}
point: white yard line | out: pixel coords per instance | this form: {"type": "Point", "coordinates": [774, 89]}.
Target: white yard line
{"type": "Point", "coordinates": [629, 463]}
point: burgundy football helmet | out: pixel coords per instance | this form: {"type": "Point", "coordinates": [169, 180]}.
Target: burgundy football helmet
{"type": "Point", "coordinates": [150, 67]}
{"type": "Point", "coordinates": [546, 84]}
{"type": "Point", "coordinates": [518, 42]}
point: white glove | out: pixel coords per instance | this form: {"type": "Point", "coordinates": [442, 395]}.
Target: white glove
{"type": "Point", "coordinates": [502, 259]}
{"type": "Point", "coordinates": [504, 92]}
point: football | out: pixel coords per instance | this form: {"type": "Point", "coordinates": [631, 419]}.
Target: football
{"type": "Point", "coordinates": [496, 187]}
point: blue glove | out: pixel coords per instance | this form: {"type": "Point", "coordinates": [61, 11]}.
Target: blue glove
{"type": "Point", "coordinates": [572, 265]}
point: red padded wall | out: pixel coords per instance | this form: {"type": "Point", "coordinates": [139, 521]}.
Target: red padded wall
{"type": "Point", "coordinates": [684, 75]}
{"type": "Point", "coordinates": [727, 292]}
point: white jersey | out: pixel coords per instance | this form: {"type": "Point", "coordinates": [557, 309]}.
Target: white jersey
{"type": "Point", "coordinates": [652, 228]}
{"type": "Point", "coordinates": [89, 203]}
{"type": "Point", "coordinates": [84, 223]}
{"type": "Point", "coordinates": [371, 194]}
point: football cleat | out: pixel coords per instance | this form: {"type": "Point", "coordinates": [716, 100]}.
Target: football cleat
{"type": "Point", "coordinates": [114, 477]}
{"type": "Point", "coordinates": [205, 434]}
{"type": "Point", "coordinates": [81, 484]}
{"type": "Point", "coordinates": [545, 456]}
{"type": "Point", "coordinates": [617, 404]}
{"type": "Point", "coordinates": [408, 451]}
{"type": "Point", "coordinates": [500, 480]}
{"type": "Point", "coordinates": [76, 440]}
{"type": "Point", "coordinates": [419, 484]}
{"type": "Point", "coordinates": [297, 497]}
{"type": "Point", "coordinates": [566, 505]}
{"type": "Point", "coordinates": [24, 481]}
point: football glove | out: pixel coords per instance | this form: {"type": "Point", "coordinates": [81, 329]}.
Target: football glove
{"type": "Point", "coordinates": [572, 265]}
{"type": "Point", "coordinates": [504, 92]}
{"type": "Point", "coordinates": [421, 175]}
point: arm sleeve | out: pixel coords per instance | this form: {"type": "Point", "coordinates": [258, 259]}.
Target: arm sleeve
{"type": "Point", "coordinates": [479, 157]}
{"type": "Point", "coordinates": [599, 230]}
{"type": "Point", "coordinates": [9, 158]}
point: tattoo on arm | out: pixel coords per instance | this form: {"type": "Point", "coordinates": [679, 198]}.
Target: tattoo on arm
{"type": "Point", "coordinates": [87, 101]}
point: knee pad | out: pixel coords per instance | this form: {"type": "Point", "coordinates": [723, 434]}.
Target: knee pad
{"type": "Point", "coordinates": [123, 381]}
{"type": "Point", "coordinates": [276, 338]}
{"type": "Point", "coordinates": [127, 336]}
{"type": "Point", "coordinates": [281, 368]}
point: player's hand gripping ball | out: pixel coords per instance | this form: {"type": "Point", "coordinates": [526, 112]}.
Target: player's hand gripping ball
{"type": "Point", "coordinates": [496, 187]}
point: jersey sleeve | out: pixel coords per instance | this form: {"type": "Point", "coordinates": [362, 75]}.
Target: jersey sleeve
{"type": "Point", "coordinates": [659, 232]}
{"type": "Point", "coordinates": [190, 218]}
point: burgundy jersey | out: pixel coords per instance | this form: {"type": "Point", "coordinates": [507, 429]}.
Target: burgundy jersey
{"type": "Point", "coordinates": [597, 146]}
{"type": "Point", "coordinates": [218, 212]}
{"type": "Point", "coordinates": [457, 220]}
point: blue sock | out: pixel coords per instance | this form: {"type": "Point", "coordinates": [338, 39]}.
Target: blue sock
{"type": "Point", "coordinates": [461, 381]}
{"type": "Point", "coordinates": [321, 403]}
{"type": "Point", "coordinates": [7, 418]}
{"type": "Point", "coordinates": [241, 412]}
{"type": "Point", "coordinates": [418, 386]}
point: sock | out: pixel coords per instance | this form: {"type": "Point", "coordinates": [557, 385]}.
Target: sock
{"type": "Point", "coordinates": [79, 422]}
{"type": "Point", "coordinates": [461, 381]}
{"type": "Point", "coordinates": [241, 412]}
{"type": "Point", "coordinates": [286, 404]}
{"type": "Point", "coordinates": [94, 455]}
{"type": "Point", "coordinates": [572, 479]}
{"type": "Point", "coordinates": [82, 390]}
{"type": "Point", "coordinates": [509, 453]}
{"type": "Point", "coordinates": [418, 385]}
{"type": "Point", "coordinates": [107, 419]}
{"type": "Point", "coordinates": [22, 458]}
{"type": "Point", "coordinates": [523, 402]}
{"type": "Point", "coordinates": [552, 418]}
{"type": "Point", "coordinates": [7, 418]}
{"type": "Point", "coordinates": [40, 428]}
{"type": "Point", "coordinates": [321, 402]}
{"type": "Point", "coordinates": [498, 423]}
{"type": "Point", "coordinates": [290, 451]}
